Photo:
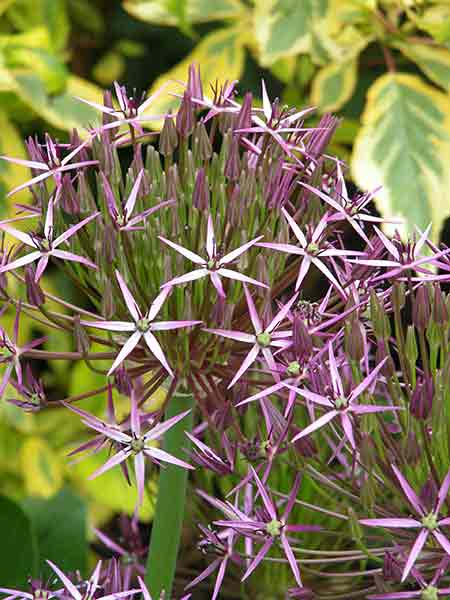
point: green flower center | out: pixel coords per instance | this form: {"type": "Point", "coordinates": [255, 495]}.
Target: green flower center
{"type": "Point", "coordinates": [312, 248]}
{"type": "Point", "coordinates": [274, 528]}
{"type": "Point", "coordinates": [120, 220]}
{"type": "Point", "coordinates": [45, 245]}
{"type": "Point", "coordinates": [341, 402]}
{"type": "Point", "coordinates": [293, 368]}
{"type": "Point", "coordinates": [430, 593]}
{"type": "Point", "coordinates": [127, 559]}
{"type": "Point", "coordinates": [40, 595]}
{"type": "Point", "coordinates": [264, 339]}
{"type": "Point", "coordinates": [35, 399]}
{"type": "Point", "coordinates": [211, 264]}
{"type": "Point", "coordinates": [143, 325]}
{"type": "Point", "coordinates": [430, 521]}
{"type": "Point", "coordinates": [138, 445]}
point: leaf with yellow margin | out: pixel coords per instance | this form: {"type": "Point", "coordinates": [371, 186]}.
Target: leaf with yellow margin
{"type": "Point", "coordinates": [334, 85]}
{"type": "Point", "coordinates": [221, 58]}
{"type": "Point", "coordinates": [42, 468]}
{"type": "Point", "coordinates": [404, 145]}
{"type": "Point", "coordinates": [173, 12]}
{"type": "Point", "coordinates": [434, 62]}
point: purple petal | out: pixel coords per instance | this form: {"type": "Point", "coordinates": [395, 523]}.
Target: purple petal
{"type": "Point", "coordinates": [267, 392]}
{"type": "Point", "coordinates": [236, 253]}
{"type": "Point", "coordinates": [239, 336]}
{"type": "Point", "coordinates": [303, 271]}
{"type": "Point", "coordinates": [157, 303]}
{"type": "Point", "coordinates": [157, 351]}
{"type": "Point", "coordinates": [191, 276]}
{"type": "Point", "coordinates": [161, 455]}
{"type": "Point", "coordinates": [134, 416]}
{"type": "Point", "coordinates": [139, 469]}
{"type": "Point", "coordinates": [258, 558]}
{"type": "Point", "coordinates": [264, 495]}
{"type": "Point", "coordinates": [295, 228]}
{"type": "Point", "coordinates": [210, 240]}
{"type": "Point", "coordinates": [443, 492]}
{"type": "Point", "coordinates": [110, 325]}
{"type": "Point", "coordinates": [278, 318]}
{"type": "Point", "coordinates": [252, 310]}
{"type": "Point", "coordinates": [127, 348]}
{"type": "Point", "coordinates": [409, 492]}
{"type": "Point", "coordinates": [25, 238]}
{"type": "Point", "coordinates": [415, 551]}
{"type": "Point", "coordinates": [111, 463]}
{"type": "Point", "coordinates": [48, 226]}
{"type": "Point", "coordinates": [72, 230]}
{"type": "Point", "coordinates": [291, 558]}
{"type": "Point", "coordinates": [70, 587]}
{"type": "Point", "coordinates": [63, 255]}
{"type": "Point", "coordinates": [20, 262]}
{"type": "Point", "coordinates": [326, 271]}
{"type": "Point", "coordinates": [367, 381]}
{"type": "Point", "coordinates": [322, 400]}
{"type": "Point", "coordinates": [41, 266]}
{"type": "Point", "coordinates": [195, 258]}
{"type": "Point", "coordinates": [220, 576]}
{"type": "Point", "coordinates": [320, 422]}
{"type": "Point", "coordinates": [292, 497]}
{"type": "Point", "coordinates": [443, 541]}
{"type": "Point", "coordinates": [391, 522]}
{"type": "Point", "coordinates": [204, 574]}
{"type": "Point", "coordinates": [230, 274]}
{"type": "Point", "coordinates": [30, 182]}
{"type": "Point", "coordinates": [166, 325]}
{"type": "Point", "coordinates": [390, 247]}
{"type": "Point", "coordinates": [348, 429]}
{"type": "Point", "coordinates": [26, 163]}
{"type": "Point", "coordinates": [267, 107]}
{"type": "Point", "coordinates": [248, 361]}
{"type": "Point", "coordinates": [129, 206]}
{"type": "Point", "coordinates": [287, 248]}
{"type": "Point", "coordinates": [131, 303]}
{"type": "Point", "coordinates": [217, 282]}
{"type": "Point", "coordinates": [161, 428]}
{"type": "Point", "coordinates": [365, 409]}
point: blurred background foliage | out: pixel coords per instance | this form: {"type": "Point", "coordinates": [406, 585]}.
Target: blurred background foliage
{"type": "Point", "coordinates": [383, 65]}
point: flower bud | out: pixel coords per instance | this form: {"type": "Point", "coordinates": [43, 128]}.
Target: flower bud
{"type": "Point", "coordinates": [194, 84]}
{"type": "Point", "coordinates": [168, 140]}
{"type": "Point", "coordinates": [185, 119]}
{"type": "Point", "coordinates": [69, 198]}
{"type": "Point", "coordinates": [440, 311]}
{"type": "Point", "coordinates": [392, 569]}
{"type": "Point", "coordinates": [35, 295]}
{"type": "Point", "coordinates": [354, 338]}
{"type": "Point", "coordinates": [429, 494]}
{"type": "Point", "coordinates": [381, 325]}
{"type": "Point", "coordinates": [422, 398]}
{"type": "Point", "coordinates": [85, 197]}
{"type": "Point", "coordinates": [244, 119]}
{"type": "Point", "coordinates": [201, 143]}
{"type": "Point", "coordinates": [200, 195]}
{"type": "Point", "coordinates": [388, 369]}
{"type": "Point", "coordinates": [233, 162]}
{"type": "Point", "coordinates": [421, 310]}
{"type": "Point", "coordinates": [108, 303]}
{"type": "Point", "coordinates": [123, 381]}
{"type": "Point", "coordinates": [411, 450]}
{"type": "Point", "coordinates": [301, 338]}
{"type": "Point", "coordinates": [398, 295]}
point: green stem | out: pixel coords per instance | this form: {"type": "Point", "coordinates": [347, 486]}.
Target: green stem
{"type": "Point", "coordinates": [169, 512]}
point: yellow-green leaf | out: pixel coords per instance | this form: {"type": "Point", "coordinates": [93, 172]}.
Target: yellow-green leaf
{"type": "Point", "coordinates": [221, 58]}
{"type": "Point", "coordinates": [11, 175]}
{"type": "Point", "coordinates": [434, 62]}
{"type": "Point", "coordinates": [334, 85]}
{"type": "Point", "coordinates": [167, 12]}
{"type": "Point", "coordinates": [284, 27]}
{"type": "Point", "coordinates": [109, 68]}
{"type": "Point", "coordinates": [41, 467]}
{"type": "Point", "coordinates": [435, 21]}
{"type": "Point", "coordinates": [63, 111]}
{"type": "Point", "coordinates": [404, 145]}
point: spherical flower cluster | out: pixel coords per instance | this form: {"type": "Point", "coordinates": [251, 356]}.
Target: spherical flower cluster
{"type": "Point", "coordinates": [226, 261]}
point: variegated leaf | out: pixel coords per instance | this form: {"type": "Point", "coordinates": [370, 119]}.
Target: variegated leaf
{"type": "Point", "coordinates": [404, 145]}
{"type": "Point", "coordinates": [434, 62]}
{"type": "Point", "coordinates": [334, 85]}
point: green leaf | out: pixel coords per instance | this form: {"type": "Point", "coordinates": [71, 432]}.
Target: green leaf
{"type": "Point", "coordinates": [60, 524]}
{"type": "Point", "coordinates": [434, 62]}
{"type": "Point", "coordinates": [177, 12]}
{"type": "Point", "coordinates": [42, 468]}
{"type": "Point", "coordinates": [87, 16]}
{"type": "Point", "coordinates": [63, 111]}
{"type": "Point", "coordinates": [284, 27]}
{"type": "Point", "coordinates": [334, 85]}
{"type": "Point", "coordinates": [109, 68]}
{"type": "Point", "coordinates": [51, 71]}
{"type": "Point", "coordinates": [435, 21]}
{"type": "Point", "coordinates": [403, 145]}
{"type": "Point", "coordinates": [19, 556]}
{"type": "Point", "coordinates": [221, 57]}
